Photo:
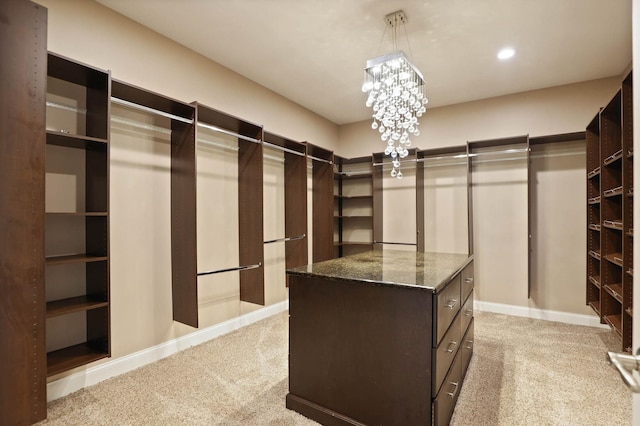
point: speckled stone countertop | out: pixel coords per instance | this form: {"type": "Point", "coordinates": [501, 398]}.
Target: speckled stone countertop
{"type": "Point", "coordinates": [390, 267]}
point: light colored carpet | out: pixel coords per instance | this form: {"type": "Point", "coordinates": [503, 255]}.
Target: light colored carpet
{"type": "Point", "coordinates": [524, 372]}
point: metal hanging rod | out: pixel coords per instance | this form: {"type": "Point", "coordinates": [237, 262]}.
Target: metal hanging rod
{"type": "Point", "coordinates": [227, 132]}
{"type": "Point", "coordinates": [218, 145]}
{"type": "Point", "coordinates": [348, 174]}
{"type": "Point", "coordinates": [441, 157]}
{"type": "Point", "coordinates": [151, 110]}
{"type": "Point", "coordinates": [67, 107]}
{"type": "Point", "coordinates": [281, 148]}
{"type": "Point", "coordinates": [278, 240]}
{"type": "Point", "coordinates": [398, 244]}
{"type": "Point", "coordinates": [499, 152]}
{"type": "Point", "coordinates": [319, 159]}
{"type": "Point", "coordinates": [238, 268]}
{"type": "Point", "coordinates": [140, 125]}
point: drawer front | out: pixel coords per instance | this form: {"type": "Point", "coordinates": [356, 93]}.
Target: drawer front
{"type": "Point", "coordinates": [467, 281]}
{"type": "Point", "coordinates": [446, 307]}
{"type": "Point", "coordinates": [467, 348]}
{"type": "Point", "coordinates": [466, 313]}
{"type": "Point", "coordinates": [445, 402]}
{"type": "Point", "coordinates": [445, 353]}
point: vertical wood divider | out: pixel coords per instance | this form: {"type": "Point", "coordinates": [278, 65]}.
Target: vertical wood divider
{"type": "Point", "coordinates": [250, 220]}
{"type": "Point", "coordinates": [295, 209]}
{"type": "Point", "coordinates": [377, 200]}
{"type": "Point", "coordinates": [23, 71]}
{"type": "Point", "coordinates": [184, 282]}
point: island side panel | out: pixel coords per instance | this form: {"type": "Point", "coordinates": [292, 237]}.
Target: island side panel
{"type": "Point", "coordinates": [359, 352]}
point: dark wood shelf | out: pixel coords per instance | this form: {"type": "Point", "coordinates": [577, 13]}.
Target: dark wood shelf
{"type": "Point", "coordinates": [594, 227]}
{"type": "Point", "coordinates": [613, 157]}
{"type": "Point", "coordinates": [615, 258]}
{"type": "Point", "coordinates": [75, 141]}
{"type": "Point", "coordinates": [595, 305]}
{"type": "Point", "coordinates": [593, 173]}
{"type": "Point", "coordinates": [74, 258]}
{"type": "Point", "coordinates": [595, 280]}
{"type": "Point", "coordinates": [79, 214]}
{"type": "Point", "coordinates": [71, 357]}
{"type": "Point", "coordinates": [613, 192]}
{"type": "Point", "coordinates": [74, 304]}
{"type": "Point", "coordinates": [615, 321]}
{"type": "Point", "coordinates": [594, 200]}
{"type": "Point", "coordinates": [615, 290]}
{"type": "Point", "coordinates": [613, 224]}
{"type": "Point", "coordinates": [595, 254]}
{"type": "Point", "coordinates": [353, 243]}
{"type": "Point", "coordinates": [354, 197]}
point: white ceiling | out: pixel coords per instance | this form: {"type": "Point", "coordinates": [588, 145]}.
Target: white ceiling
{"type": "Point", "coordinates": [314, 51]}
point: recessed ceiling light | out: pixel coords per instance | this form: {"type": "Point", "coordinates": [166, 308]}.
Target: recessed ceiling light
{"type": "Point", "coordinates": [506, 53]}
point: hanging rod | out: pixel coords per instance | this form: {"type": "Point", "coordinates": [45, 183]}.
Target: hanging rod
{"type": "Point", "coordinates": [218, 145]}
{"type": "Point", "coordinates": [281, 148]}
{"type": "Point", "coordinates": [441, 157]}
{"type": "Point", "coordinates": [277, 240]}
{"type": "Point", "coordinates": [238, 268]}
{"type": "Point", "coordinates": [140, 125]}
{"type": "Point", "coordinates": [67, 107]}
{"type": "Point", "coordinates": [319, 159]}
{"type": "Point", "coordinates": [499, 152]}
{"type": "Point", "coordinates": [398, 244]}
{"type": "Point", "coordinates": [151, 110]}
{"type": "Point", "coordinates": [227, 132]}
{"type": "Point", "coordinates": [348, 174]}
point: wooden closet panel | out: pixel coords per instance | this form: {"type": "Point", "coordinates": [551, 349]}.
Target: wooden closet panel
{"type": "Point", "coordinates": [322, 211]}
{"type": "Point", "coordinates": [23, 71]}
{"type": "Point", "coordinates": [295, 206]}
{"type": "Point", "coordinates": [250, 219]}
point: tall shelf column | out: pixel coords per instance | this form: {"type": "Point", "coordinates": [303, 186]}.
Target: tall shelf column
{"type": "Point", "coordinates": [23, 72]}
{"type": "Point", "coordinates": [323, 248]}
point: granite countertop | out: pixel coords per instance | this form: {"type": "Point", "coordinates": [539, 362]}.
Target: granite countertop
{"type": "Point", "coordinates": [390, 267]}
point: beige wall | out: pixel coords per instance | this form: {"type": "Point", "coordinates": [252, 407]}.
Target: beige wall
{"type": "Point", "coordinates": [562, 109]}
{"type": "Point", "coordinates": [91, 33]}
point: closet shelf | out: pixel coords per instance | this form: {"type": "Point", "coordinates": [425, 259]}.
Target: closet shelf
{"type": "Point", "coordinates": [593, 173]}
{"type": "Point", "coordinates": [613, 224]}
{"type": "Point", "coordinates": [70, 140]}
{"type": "Point", "coordinates": [613, 157]}
{"type": "Point", "coordinates": [594, 227]}
{"type": "Point", "coordinates": [74, 304]}
{"type": "Point", "coordinates": [595, 254]}
{"type": "Point", "coordinates": [71, 357]}
{"type": "Point", "coordinates": [615, 322]}
{"type": "Point", "coordinates": [594, 200]}
{"type": "Point", "coordinates": [613, 191]}
{"type": "Point", "coordinates": [595, 305]}
{"type": "Point", "coordinates": [74, 258]}
{"type": "Point", "coordinates": [615, 258]}
{"type": "Point", "coordinates": [595, 280]}
{"type": "Point", "coordinates": [615, 290]}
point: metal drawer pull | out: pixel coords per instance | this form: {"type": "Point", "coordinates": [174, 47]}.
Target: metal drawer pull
{"type": "Point", "coordinates": [451, 346]}
{"type": "Point", "coordinates": [470, 344]}
{"type": "Point", "coordinates": [626, 365]}
{"type": "Point", "coordinates": [452, 303]}
{"type": "Point", "coordinates": [455, 389]}
{"type": "Point", "coordinates": [468, 280]}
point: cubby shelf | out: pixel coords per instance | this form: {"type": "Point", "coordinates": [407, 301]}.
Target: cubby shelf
{"type": "Point", "coordinates": [609, 138]}
{"type": "Point", "coordinates": [74, 304]}
{"type": "Point", "coordinates": [72, 357]}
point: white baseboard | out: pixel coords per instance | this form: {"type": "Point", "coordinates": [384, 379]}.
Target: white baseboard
{"type": "Point", "coordinates": [535, 313]}
{"type": "Point", "coordinates": [92, 375]}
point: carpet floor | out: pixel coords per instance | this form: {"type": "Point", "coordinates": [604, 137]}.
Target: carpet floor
{"type": "Point", "coordinates": [523, 372]}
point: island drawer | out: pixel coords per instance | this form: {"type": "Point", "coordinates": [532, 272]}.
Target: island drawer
{"type": "Point", "coordinates": [446, 306]}
{"type": "Point", "coordinates": [467, 281]}
{"type": "Point", "coordinates": [445, 353]}
{"type": "Point", "coordinates": [466, 313]}
{"type": "Point", "coordinates": [467, 348]}
{"type": "Point", "coordinates": [445, 402]}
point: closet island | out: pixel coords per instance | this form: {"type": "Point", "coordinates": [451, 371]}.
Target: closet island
{"type": "Point", "coordinates": [381, 337]}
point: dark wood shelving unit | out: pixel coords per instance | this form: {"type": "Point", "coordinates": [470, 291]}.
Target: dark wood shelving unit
{"type": "Point", "coordinates": [83, 126]}
{"type": "Point", "coordinates": [183, 192]}
{"type": "Point", "coordinates": [295, 199]}
{"type": "Point", "coordinates": [322, 214]}
{"type": "Point", "coordinates": [250, 197]}
{"type": "Point", "coordinates": [610, 213]}
{"type": "Point", "coordinates": [353, 176]}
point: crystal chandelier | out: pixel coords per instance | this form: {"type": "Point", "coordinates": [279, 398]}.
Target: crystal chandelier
{"type": "Point", "coordinates": [396, 94]}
